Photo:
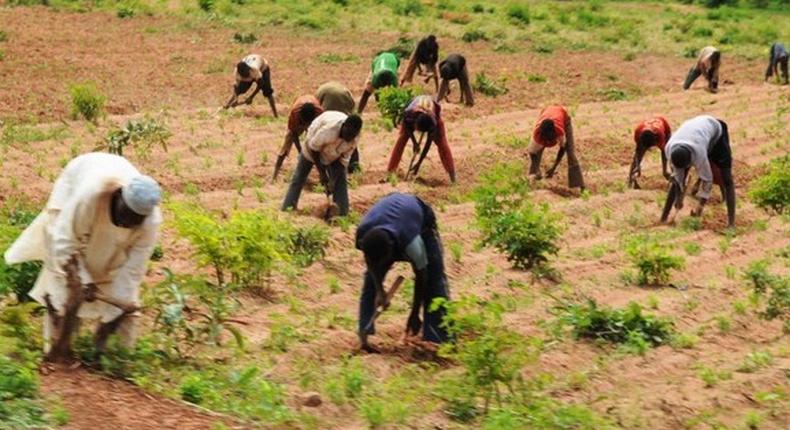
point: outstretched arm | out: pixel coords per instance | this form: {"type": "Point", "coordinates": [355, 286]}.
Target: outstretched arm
{"type": "Point", "coordinates": [233, 99]}
{"type": "Point", "coordinates": [249, 99]}
{"type": "Point", "coordinates": [672, 196]}
{"type": "Point", "coordinates": [363, 101]}
{"type": "Point", "coordinates": [636, 170]}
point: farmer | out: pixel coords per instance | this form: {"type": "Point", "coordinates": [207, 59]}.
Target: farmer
{"type": "Point", "coordinates": [702, 142]}
{"type": "Point", "coordinates": [383, 73]}
{"type": "Point", "coordinates": [401, 227]}
{"type": "Point", "coordinates": [554, 127]}
{"type": "Point", "coordinates": [779, 56]}
{"type": "Point", "coordinates": [425, 116]}
{"type": "Point", "coordinates": [426, 54]}
{"type": "Point", "coordinates": [335, 96]}
{"type": "Point", "coordinates": [454, 67]}
{"type": "Point", "coordinates": [252, 69]}
{"type": "Point", "coordinates": [304, 110]}
{"type": "Point", "coordinates": [95, 237]}
{"type": "Point", "coordinates": [649, 133]}
{"type": "Point", "coordinates": [331, 139]}
{"type": "Point", "coordinates": [708, 64]}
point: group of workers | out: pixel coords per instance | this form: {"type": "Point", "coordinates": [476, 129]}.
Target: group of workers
{"type": "Point", "coordinates": [100, 224]}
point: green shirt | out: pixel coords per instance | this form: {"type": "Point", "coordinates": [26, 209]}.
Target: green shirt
{"type": "Point", "coordinates": [385, 64]}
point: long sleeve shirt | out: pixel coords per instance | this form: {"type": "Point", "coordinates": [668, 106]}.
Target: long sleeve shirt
{"type": "Point", "coordinates": [698, 134]}
{"type": "Point", "coordinates": [323, 137]}
{"type": "Point", "coordinates": [706, 65]}
{"type": "Point", "coordinates": [403, 217]}
{"type": "Point", "coordinates": [76, 222]}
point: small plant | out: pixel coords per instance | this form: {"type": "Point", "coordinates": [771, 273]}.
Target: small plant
{"type": "Point", "coordinates": [652, 260]}
{"type": "Point", "coordinates": [142, 135]}
{"type": "Point", "coordinates": [308, 244]}
{"type": "Point", "coordinates": [87, 101]}
{"type": "Point", "coordinates": [125, 11]}
{"type": "Point", "coordinates": [755, 361]}
{"type": "Point", "coordinates": [614, 94]}
{"type": "Point", "coordinates": [206, 5]}
{"type": "Point", "coordinates": [20, 278]}
{"type": "Point", "coordinates": [392, 101]}
{"type": "Point", "coordinates": [518, 14]}
{"type": "Point", "coordinates": [474, 35]}
{"type": "Point", "coordinates": [712, 377]}
{"type": "Point", "coordinates": [629, 325]}
{"type": "Point", "coordinates": [483, 84]}
{"type": "Point", "coordinates": [403, 47]}
{"type": "Point", "coordinates": [772, 190]}
{"type": "Point", "coordinates": [407, 7]}
{"type": "Point", "coordinates": [244, 38]}
{"type": "Point", "coordinates": [773, 290]}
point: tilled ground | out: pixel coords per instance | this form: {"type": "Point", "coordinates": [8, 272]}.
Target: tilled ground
{"type": "Point", "coordinates": [229, 158]}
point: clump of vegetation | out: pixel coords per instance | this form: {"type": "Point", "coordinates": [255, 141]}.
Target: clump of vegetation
{"type": "Point", "coordinates": [518, 13]}
{"type": "Point", "coordinates": [87, 101]}
{"type": "Point", "coordinates": [483, 84]}
{"type": "Point", "coordinates": [629, 326]}
{"type": "Point", "coordinates": [652, 259]}
{"type": "Point", "coordinates": [19, 278]}
{"type": "Point", "coordinates": [490, 390]}
{"type": "Point", "coordinates": [125, 10]}
{"type": "Point", "coordinates": [308, 244]}
{"type": "Point", "coordinates": [244, 38]}
{"type": "Point", "coordinates": [333, 58]}
{"type": "Point", "coordinates": [474, 35]}
{"type": "Point", "coordinates": [772, 190]}
{"type": "Point", "coordinates": [142, 135]}
{"type": "Point", "coordinates": [206, 5]}
{"type": "Point", "coordinates": [403, 47]}
{"type": "Point", "coordinates": [527, 233]}
{"type": "Point", "coordinates": [772, 290]}
{"type": "Point", "coordinates": [392, 101]}
{"type": "Point", "coordinates": [407, 7]}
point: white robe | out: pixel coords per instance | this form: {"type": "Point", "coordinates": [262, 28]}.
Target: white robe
{"type": "Point", "coordinates": [76, 221]}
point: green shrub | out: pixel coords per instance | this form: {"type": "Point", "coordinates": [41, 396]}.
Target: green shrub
{"type": "Point", "coordinates": [483, 84]}
{"type": "Point", "coordinates": [473, 35]}
{"type": "Point", "coordinates": [518, 13]}
{"type": "Point", "coordinates": [244, 38]}
{"type": "Point", "coordinates": [773, 289]}
{"type": "Point", "coordinates": [407, 7]}
{"type": "Point", "coordinates": [308, 244]}
{"type": "Point", "coordinates": [652, 259]}
{"type": "Point", "coordinates": [206, 5]}
{"type": "Point", "coordinates": [87, 101]}
{"type": "Point", "coordinates": [142, 135]}
{"type": "Point", "coordinates": [392, 101]}
{"type": "Point", "coordinates": [628, 326]}
{"type": "Point", "coordinates": [772, 190]}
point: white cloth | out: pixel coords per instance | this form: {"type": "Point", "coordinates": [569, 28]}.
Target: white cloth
{"type": "Point", "coordinates": [257, 63]}
{"type": "Point", "coordinates": [76, 221]}
{"type": "Point", "coordinates": [323, 136]}
{"type": "Point", "coordinates": [698, 134]}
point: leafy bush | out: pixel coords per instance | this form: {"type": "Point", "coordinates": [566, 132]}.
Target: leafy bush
{"type": "Point", "coordinates": [518, 13]}
{"type": "Point", "coordinates": [141, 134]}
{"type": "Point", "coordinates": [407, 7]}
{"type": "Point", "coordinates": [772, 190]}
{"type": "Point", "coordinates": [206, 5]}
{"type": "Point", "coordinates": [525, 232]}
{"type": "Point", "coordinates": [244, 38]}
{"type": "Point", "coordinates": [308, 244]}
{"type": "Point", "coordinates": [19, 278]}
{"type": "Point", "coordinates": [775, 289]}
{"type": "Point", "coordinates": [87, 101]}
{"type": "Point", "coordinates": [629, 326]}
{"type": "Point", "coordinates": [473, 35]}
{"type": "Point", "coordinates": [392, 101]}
{"type": "Point", "coordinates": [652, 260]}
{"type": "Point", "coordinates": [483, 84]}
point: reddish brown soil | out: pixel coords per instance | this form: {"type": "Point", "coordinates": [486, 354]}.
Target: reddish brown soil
{"type": "Point", "coordinates": [229, 158]}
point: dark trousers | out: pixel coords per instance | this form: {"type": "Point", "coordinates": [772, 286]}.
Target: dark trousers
{"type": "Point", "coordinates": [353, 163]}
{"type": "Point", "coordinates": [437, 287]}
{"type": "Point", "coordinates": [338, 186]}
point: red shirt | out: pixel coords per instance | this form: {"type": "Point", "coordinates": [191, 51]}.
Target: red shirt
{"type": "Point", "coordinates": [295, 124]}
{"type": "Point", "coordinates": [657, 125]}
{"type": "Point", "coordinates": [559, 116]}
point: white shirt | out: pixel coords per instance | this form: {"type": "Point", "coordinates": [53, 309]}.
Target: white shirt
{"type": "Point", "coordinates": [323, 136]}
{"type": "Point", "coordinates": [76, 221]}
{"type": "Point", "coordinates": [698, 134]}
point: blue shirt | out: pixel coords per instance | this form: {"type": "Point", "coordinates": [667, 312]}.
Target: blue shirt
{"type": "Point", "coordinates": [403, 217]}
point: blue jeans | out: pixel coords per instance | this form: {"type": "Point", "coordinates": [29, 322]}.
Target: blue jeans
{"type": "Point", "coordinates": [339, 186]}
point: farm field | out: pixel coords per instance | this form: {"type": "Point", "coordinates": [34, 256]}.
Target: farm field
{"type": "Point", "coordinates": [723, 366]}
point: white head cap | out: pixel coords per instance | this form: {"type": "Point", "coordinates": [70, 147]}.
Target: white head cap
{"type": "Point", "coordinates": [142, 194]}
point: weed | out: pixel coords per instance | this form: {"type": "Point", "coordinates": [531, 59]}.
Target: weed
{"type": "Point", "coordinates": [142, 135]}
{"type": "Point", "coordinates": [206, 5]}
{"type": "Point", "coordinates": [629, 326]}
{"type": "Point", "coordinates": [244, 38]}
{"type": "Point", "coordinates": [684, 340]}
{"type": "Point", "coordinates": [692, 248]}
{"type": "Point", "coordinates": [403, 47]}
{"type": "Point", "coordinates": [772, 190]}
{"type": "Point", "coordinates": [333, 58]}
{"type": "Point", "coordinates": [407, 7]}
{"type": "Point", "coordinates": [87, 101]}
{"type": "Point", "coordinates": [614, 94]}
{"type": "Point", "coordinates": [774, 289]}
{"type": "Point", "coordinates": [456, 250]}
{"type": "Point", "coordinates": [473, 35]}
{"type": "Point", "coordinates": [125, 11]}
{"type": "Point", "coordinates": [518, 13]}
{"type": "Point", "coordinates": [18, 279]}
{"type": "Point", "coordinates": [536, 78]}
{"type": "Point", "coordinates": [484, 85]}
{"type": "Point", "coordinates": [334, 285]}
{"type": "Point", "coordinates": [723, 323]}
{"type": "Point", "coordinates": [755, 361]}
{"type": "Point", "coordinates": [712, 377]}
{"type": "Point", "coordinates": [308, 244]}
{"type": "Point", "coordinates": [652, 260]}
